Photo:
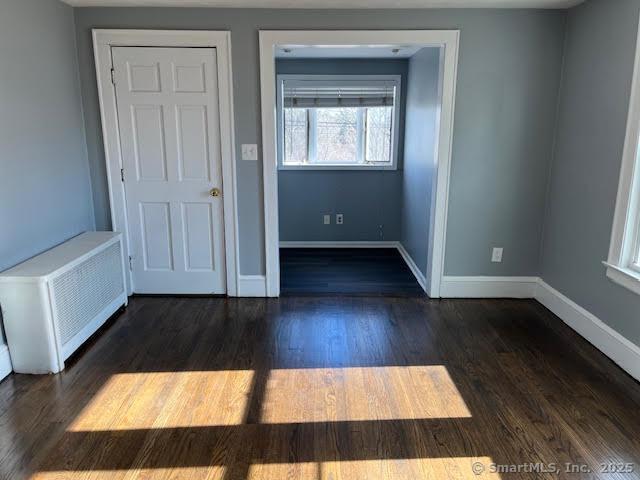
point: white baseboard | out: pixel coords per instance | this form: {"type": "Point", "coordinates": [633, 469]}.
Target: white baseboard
{"type": "Point", "coordinates": [363, 244]}
{"type": "Point", "coordinates": [619, 349]}
{"type": "Point", "coordinates": [420, 278]}
{"type": "Point", "coordinates": [5, 362]}
{"type": "Point", "coordinates": [488, 287]}
{"type": "Point", "coordinates": [252, 286]}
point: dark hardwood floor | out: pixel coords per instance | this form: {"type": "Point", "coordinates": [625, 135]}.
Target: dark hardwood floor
{"type": "Point", "coordinates": [364, 271]}
{"type": "Point", "coordinates": [325, 388]}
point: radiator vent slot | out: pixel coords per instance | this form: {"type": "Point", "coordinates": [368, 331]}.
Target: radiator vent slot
{"type": "Point", "coordinates": [86, 290]}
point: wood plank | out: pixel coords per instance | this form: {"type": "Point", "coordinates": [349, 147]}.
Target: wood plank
{"type": "Point", "coordinates": [323, 388]}
{"type": "Point", "coordinates": [366, 271]}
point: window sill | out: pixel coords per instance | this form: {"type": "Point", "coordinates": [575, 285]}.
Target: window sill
{"type": "Point", "coordinates": [625, 277]}
{"type": "Point", "coordinates": [337, 167]}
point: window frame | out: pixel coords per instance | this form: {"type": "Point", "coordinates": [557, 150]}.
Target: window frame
{"type": "Point", "coordinates": [623, 263]}
{"type": "Point", "coordinates": [395, 123]}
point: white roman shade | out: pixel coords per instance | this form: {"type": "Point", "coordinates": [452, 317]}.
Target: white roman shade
{"type": "Point", "coordinates": [338, 93]}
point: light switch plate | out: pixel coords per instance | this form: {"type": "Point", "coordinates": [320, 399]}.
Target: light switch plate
{"type": "Point", "coordinates": [249, 151]}
{"type": "Point", "coordinates": [496, 255]}
{"type": "Point", "coordinates": [326, 219]}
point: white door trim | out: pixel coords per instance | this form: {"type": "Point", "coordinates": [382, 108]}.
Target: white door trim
{"type": "Point", "coordinates": [448, 40]}
{"type": "Point", "coordinates": [5, 362]}
{"type": "Point", "coordinates": [103, 40]}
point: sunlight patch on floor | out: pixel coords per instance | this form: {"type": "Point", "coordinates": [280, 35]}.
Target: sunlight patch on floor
{"type": "Point", "coordinates": [361, 393]}
{"type": "Point", "coordinates": [167, 399]}
{"type": "Point", "coordinates": [191, 473]}
{"type": "Point", "coordinates": [402, 469]}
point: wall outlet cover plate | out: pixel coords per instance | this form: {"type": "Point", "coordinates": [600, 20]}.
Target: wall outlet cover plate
{"type": "Point", "coordinates": [249, 151]}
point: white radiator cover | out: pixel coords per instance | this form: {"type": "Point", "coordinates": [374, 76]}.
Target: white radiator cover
{"type": "Point", "coordinates": [54, 302]}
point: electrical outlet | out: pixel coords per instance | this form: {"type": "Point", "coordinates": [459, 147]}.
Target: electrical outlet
{"type": "Point", "coordinates": [339, 219]}
{"type": "Point", "coordinates": [327, 219]}
{"type": "Point", "coordinates": [496, 255]}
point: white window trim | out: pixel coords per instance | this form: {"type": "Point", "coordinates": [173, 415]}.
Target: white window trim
{"type": "Point", "coordinates": [622, 264]}
{"type": "Point", "coordinates": [395, 122]}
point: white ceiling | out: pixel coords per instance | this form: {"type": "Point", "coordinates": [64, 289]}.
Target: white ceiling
{"type": "Point", "coordinates": [347, 51]}
{"type": "Point", "coordinates": [330, 3]}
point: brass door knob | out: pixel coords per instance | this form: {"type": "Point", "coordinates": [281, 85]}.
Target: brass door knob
{"type": "Point", "coordinates": [215, 192]}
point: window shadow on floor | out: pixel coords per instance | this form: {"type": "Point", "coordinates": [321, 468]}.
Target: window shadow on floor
{"type": "Point", "coordinates": [250, 386]}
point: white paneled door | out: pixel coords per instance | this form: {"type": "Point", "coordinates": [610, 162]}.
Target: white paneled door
{"type": "Point", "coordinates": [168, 114]}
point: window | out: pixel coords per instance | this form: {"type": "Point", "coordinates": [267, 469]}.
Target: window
{"type": "Point", "coordinates": [340, 122]}
{"type": "Point", "coordinates": [623, 264]}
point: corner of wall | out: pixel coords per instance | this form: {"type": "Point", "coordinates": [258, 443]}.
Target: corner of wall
{"type": "Point", "coordinates": [82, 116]}
{"type": "Point", "coordinates": [554, 143]}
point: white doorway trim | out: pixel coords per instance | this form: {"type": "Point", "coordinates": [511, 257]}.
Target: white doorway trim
{"type": "Point", "coordinates": [103, 40]}
{"type": "Point", "coordinates": [448, 41]}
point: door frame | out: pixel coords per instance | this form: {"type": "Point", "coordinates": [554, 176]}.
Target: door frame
{"type": "Point", "coordinates": [103, 41]}
{"type": "Point", "coordinates": [448, 41]}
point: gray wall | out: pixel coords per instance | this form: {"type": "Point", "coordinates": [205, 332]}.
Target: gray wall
{"type": "Point", "coordinates": [45, 195]}
{"type": "Point", "coordinates": [419, 158]}
{"type": "Point", "coordinates": [507, 90]}
{"type": "Point", "coordinates": [367, 199]}
{"type": "Point", "coordinates": [506, 104]}
{"type": "Point", "coordinates": [596, 86]}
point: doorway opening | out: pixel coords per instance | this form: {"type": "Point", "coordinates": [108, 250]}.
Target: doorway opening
{"type": "Point", "coordinates": [356, 173]}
